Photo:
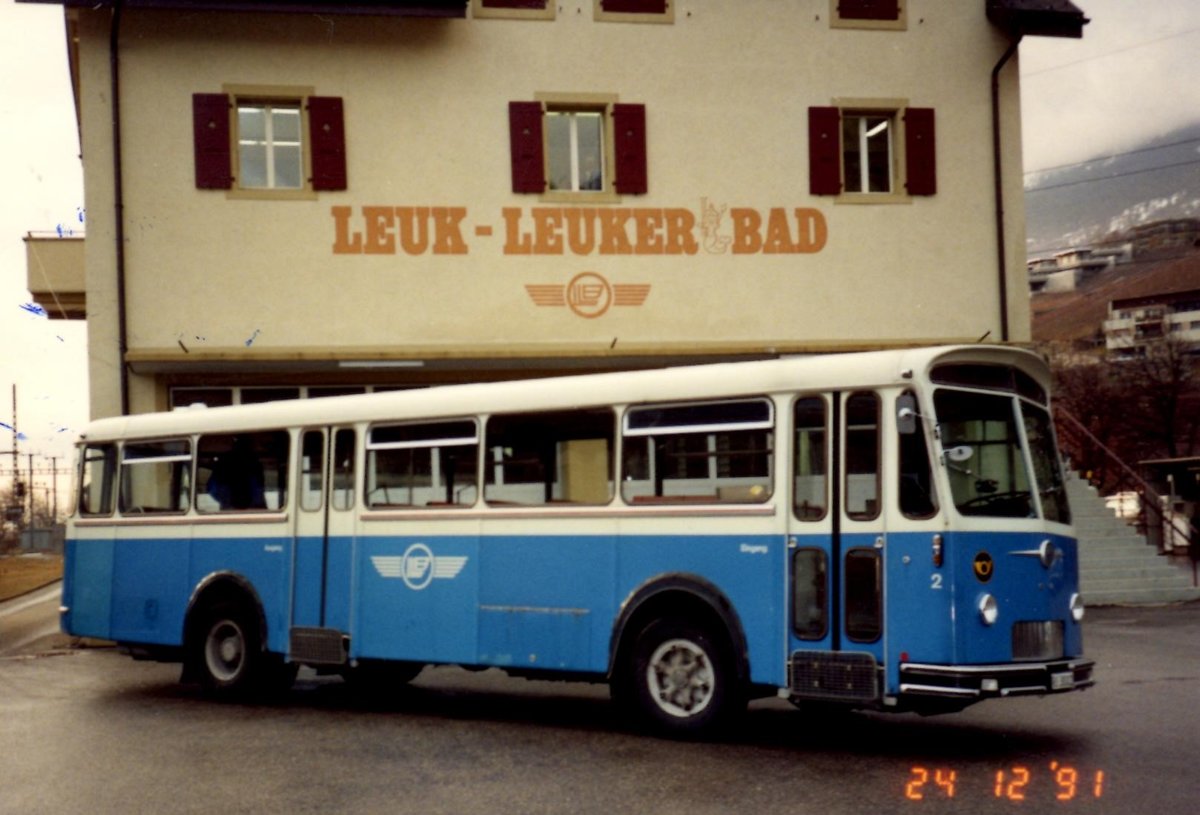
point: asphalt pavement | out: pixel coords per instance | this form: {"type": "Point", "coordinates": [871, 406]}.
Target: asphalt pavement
{"type": "Point", "coordinates": [93, 731]}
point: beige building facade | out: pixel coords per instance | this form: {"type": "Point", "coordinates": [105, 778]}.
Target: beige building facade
{"type": "Point", "coordinates": [315, 196]}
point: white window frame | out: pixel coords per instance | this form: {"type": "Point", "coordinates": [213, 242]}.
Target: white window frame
{"type": "Point", "coordinates": [602, 16]}
{"type": "Point", "coordinates": [480, 11]}
{"type": "Point", "coordinates": [269, 96]}
{"type": "Point", "coordinates": [837, 21]}
{"type": "Point", "coordinates": [893, 110]}
{"type": "Point", "coordinates": [574, 156]}
{"type": "Point", "coordinates": [557, 104]}
{"type": "Point", "coordinates": [267, 110]}
{"type": "Point", "coordinates": [862, 148]}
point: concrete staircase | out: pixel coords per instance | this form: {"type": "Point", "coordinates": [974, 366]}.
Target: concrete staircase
{"type": "Point", "coordinates": [1116, 566]}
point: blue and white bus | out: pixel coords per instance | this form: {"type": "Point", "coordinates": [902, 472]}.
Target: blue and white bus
{"type": "Point", "coordinates": [884, 530]}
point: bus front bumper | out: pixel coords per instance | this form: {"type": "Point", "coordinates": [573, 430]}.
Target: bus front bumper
{"type": "Point", "coordinates": [972, 682]}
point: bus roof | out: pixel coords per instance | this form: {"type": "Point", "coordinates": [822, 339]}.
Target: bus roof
{"type": "Point", "coordinates": [720, 380]}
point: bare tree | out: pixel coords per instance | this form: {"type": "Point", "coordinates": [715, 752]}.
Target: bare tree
{"type": "Point", "coordinates": [1163, 391]}
{"type": "Point", "coordinates": [1140, 408]}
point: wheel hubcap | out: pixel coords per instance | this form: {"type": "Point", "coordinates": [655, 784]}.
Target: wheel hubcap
{"type": "Point", "coordinates": [225, 650]}
{"type": "Point", "coordinates": [680, 678]}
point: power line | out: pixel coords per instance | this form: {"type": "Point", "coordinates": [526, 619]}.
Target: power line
{"type": "Point", "coordinates": [1112, 156]}
{"type": "Point", "coordinates": [1109, 53]}
{"type": "Point", "coordinates": [1111, 177]}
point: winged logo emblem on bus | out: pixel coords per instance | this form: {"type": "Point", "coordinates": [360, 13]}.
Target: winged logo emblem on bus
{"type": "Point", "coordinates": [418, 566]}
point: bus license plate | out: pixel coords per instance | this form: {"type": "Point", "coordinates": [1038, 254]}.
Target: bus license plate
{"type": "Point", "coordinates": [1063, 681]}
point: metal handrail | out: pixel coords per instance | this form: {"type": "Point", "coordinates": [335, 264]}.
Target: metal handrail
{"type": "Point", "coordinates": [1150, 510]}
{"type": "Point", "coordinates": [1075, 438]}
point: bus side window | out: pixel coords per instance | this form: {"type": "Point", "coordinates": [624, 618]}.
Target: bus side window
{"type": "Point", "coordinates": [98, 472]}
{"type": "Point", "coordinates": [312, 469]}
{"type": "Point", "coordinates": [708, 452]}
{"type": "Point", "coordinates": [917, 497]}
{"type": "Point", "coordinates": [342, 491]}
{"type": "Point", "coordinates": [810, 604]}
{"type": "Point", "coordinates": [242, 471]}
{"type": "Point", "coordinates": [433, 464]}
{"type": "Point", "coordinates": [810, 478]}
{"type": "Point", "coordinates": [156, 476]}
{"type": "Point", "coordinates": [862, 456]}
{"type": "Point", "coordinates": [543, 458]}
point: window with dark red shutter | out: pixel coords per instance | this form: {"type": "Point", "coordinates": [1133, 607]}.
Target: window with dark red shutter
{"type": "Point", "coordinates": [629, 129]}
{"type": "Point", "coordinates": [868, 9]}
{"type": "Point", "coordinates": [211, 140]}
{"type": "Point", "coordinates": [525, 140]}
{"type": "Point", "coordinates": [635, 11]}
{"type": "Point", "coordinates": [517, 4]}
{"type": "Point", "coordinates": [824, 151]}
{"type": "Point", "coordinates": [327, 138]}
{"type": "Point", "coordinates": [920, 150]}
{"type": "Point", "coordinates": [634, 6]}
{"type": "Point", "coordinates": [514, 9]}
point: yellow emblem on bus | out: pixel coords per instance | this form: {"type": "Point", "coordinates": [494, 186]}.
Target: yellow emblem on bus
{"type": "Point", "coordinates": [984, 566]}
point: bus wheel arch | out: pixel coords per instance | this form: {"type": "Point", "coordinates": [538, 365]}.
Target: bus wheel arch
{"type": "Point", "coordinates": [225, 640]}
{"type": "Point", "coordinates": [679, 658]}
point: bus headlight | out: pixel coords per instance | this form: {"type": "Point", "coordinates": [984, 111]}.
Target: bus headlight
{"type": "Point", "coordinates": [1077, 607]}
{"type": "Point", "coordinates": [989, 609]}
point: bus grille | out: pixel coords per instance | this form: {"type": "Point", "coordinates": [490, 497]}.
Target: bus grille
{"type": "Point", "coordinates": [318, 646]}
{"type": "Point", "coordinates": [842, 676]}
{"type": "Point", "coordinates": [1038, 640]}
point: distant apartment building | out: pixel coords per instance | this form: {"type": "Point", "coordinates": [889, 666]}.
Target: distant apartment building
{"type": "Point", "coordinates": [1067, 270]}
{"type": "Point", "coordinates": [1137, 323]}
{"type": "Point", "coordinates": [1173, 235]}
{"type": "Point", "coordinates": [289, 199]}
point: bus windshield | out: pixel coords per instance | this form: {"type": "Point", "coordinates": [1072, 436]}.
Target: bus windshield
{"type": "Point", "coordinates": [989, 467]}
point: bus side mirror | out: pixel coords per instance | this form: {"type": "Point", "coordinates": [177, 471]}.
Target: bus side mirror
{"type": "Point", "coordinates": [906, 414]}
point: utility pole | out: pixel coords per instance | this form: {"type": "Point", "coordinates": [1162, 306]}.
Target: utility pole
{"type": "Point", "coordinates": [54, 490]}
{"type": "Point", "coordinates": [31, 491]}
{"type": "Point", "coordinates": [15, 435]}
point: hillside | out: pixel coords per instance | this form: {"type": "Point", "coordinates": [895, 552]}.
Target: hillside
{"type": "Point", "coordinates": [1080, 204]}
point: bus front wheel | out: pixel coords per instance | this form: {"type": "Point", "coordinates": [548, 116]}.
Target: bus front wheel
{"type": "Point", "coordinates": [679, 679]}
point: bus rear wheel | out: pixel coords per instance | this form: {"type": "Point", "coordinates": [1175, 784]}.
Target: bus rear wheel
{"type": "Point", "coordinates": [229, 655]}
{"type": "Point", "coordinates": [679, 679]}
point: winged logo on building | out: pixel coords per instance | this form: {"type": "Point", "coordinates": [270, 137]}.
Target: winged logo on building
{"type": "Point", "coordinates": [588, 294]}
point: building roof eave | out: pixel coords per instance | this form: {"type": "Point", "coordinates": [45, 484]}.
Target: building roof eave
{"type": "Point", "coordinates": [1037, 18]}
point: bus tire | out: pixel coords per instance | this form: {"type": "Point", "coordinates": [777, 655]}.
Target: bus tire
{"type": "Point", "coordinates": [680, 680]}
{"type": "Point", "coordinates": [230, 659]}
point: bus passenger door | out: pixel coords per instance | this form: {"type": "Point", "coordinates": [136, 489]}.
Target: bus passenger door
{"type": "Point", "coordinates": [836, 548]}
{"type": "Point", "coordinates": [323, 549]}
{"type": "Point", "coordinates": [862, 538]}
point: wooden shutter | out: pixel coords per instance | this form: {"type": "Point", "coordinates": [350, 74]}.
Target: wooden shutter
{"type": "Point", "coordinates": [869, 9]}
{"type": "Point", "coordinates": [824, 151]}
{"type": "Point", "coordinates": [629, 130]}
{"type": "Point", "coordinates": [327, 142]}
{"type": "Point", "coordinates": [634, 6]}
{"type": "Point", "coordinates": [920, 150]}
{"type": "Point", "coordinates": [521, 4]}
{"type": "Point", "coordinates": [525, 139]}
{"type": "Point", "coordinates": [210, 135]}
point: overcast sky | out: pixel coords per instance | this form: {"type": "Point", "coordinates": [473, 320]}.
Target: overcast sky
{"type": "Point", "coordinates": [1133, 76]}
